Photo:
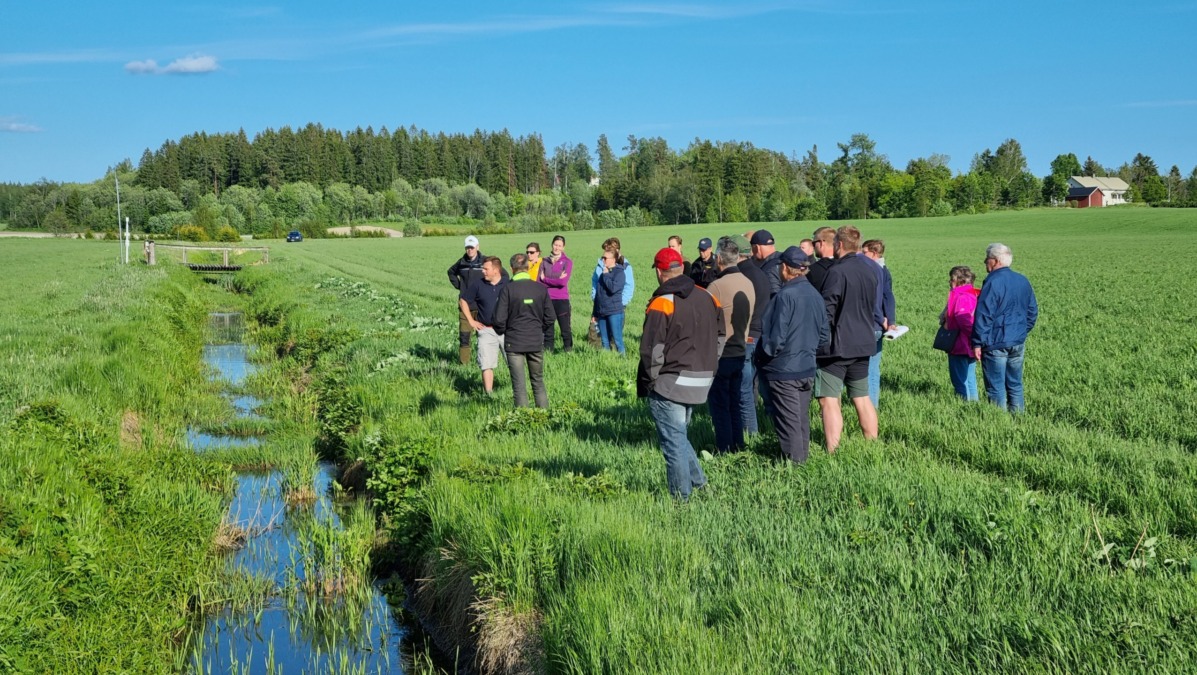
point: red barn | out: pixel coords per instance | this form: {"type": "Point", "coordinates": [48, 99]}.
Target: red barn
{"type": "Point", "coordinates": [1085, 196]}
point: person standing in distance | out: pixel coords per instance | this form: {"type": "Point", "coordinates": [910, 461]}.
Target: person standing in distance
{"type": "Point", "coordinates": [462, 273]}
{"type": "Point", "coordinates": [823, 242]}
{"type": "Point", "coordinates": [703, 270]}
{"type": "Point", "coordinates": [481, 299]}
{"type": "Point", "coordinates": [534, 260]}
{"type": "Point", "coordinates": [849, 294]}
{"type": "Point", "coordinates": [792, 330]}
{"type": "Point", "coordinates": [761, 294]}
{"type": "Point", "coordinates": [679, 354]}
{"type": "Point", "coordinates": [767, 257]}
{"type": "Point", "coordinates": [554, 273]}
{"type": "Point", "coordinates": [608, 306]}
{"type": "Point", "coordinates": [675, 243]}
{"type": "Point", "coordinates": [1006, 314]}
{"type": "Point", "coordinates": [736, 295]}
{"type": "Point", "coordinates": [521, 317]}
{"type": "Point", "coordinates": [884, 311]}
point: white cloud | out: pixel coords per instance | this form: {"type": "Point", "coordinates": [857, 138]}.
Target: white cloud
{"type": "Point", "coordinates": [11, 124]}
{"type": "Point", "coordinates": [188, 65]}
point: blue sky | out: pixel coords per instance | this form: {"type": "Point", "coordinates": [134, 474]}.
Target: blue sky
{"type": "Point", "coordinates": [85, 85]}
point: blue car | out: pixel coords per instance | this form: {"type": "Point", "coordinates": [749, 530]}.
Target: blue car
{"type": "Point", "coordinates": [294, 235]}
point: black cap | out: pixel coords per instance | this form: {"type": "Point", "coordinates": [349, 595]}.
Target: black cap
{"type": "Point", "coordinates": [795, 257]}
{"type": "Point", "coordinates": [762, 238]}
{"type": "Point", "coordinates": [704, 244]}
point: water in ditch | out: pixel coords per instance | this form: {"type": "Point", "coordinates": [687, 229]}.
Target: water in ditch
{"type": "Point", "coordinates": [294, 617]}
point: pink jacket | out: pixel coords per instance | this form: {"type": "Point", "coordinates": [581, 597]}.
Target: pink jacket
{"type": "Point", "coordinates": [962, 303]}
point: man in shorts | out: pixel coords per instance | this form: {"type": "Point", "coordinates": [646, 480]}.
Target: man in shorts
{"type": "Point", "coordinates": [478, 302]}
{"type": "Point", "coordinates": [849, 294]}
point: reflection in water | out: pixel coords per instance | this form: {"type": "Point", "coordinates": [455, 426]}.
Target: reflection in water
{"type": "Point", "coordinates": [314, 621]}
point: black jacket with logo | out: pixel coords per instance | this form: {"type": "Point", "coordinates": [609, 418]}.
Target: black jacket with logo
{"type": "Point", "coordinates": [523, 314]}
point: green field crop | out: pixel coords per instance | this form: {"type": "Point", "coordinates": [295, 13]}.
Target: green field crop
{"type": "Point", "coordinates": [963, 539]}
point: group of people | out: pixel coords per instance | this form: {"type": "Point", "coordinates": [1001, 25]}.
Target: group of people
{"type": "Point", "coordinates": [518, 315]}
{"type": "Point", "coordinates": [743, 320]}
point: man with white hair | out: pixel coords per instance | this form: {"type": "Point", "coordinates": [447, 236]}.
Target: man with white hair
{"type": "Point", "coordinates": [1006, 313]}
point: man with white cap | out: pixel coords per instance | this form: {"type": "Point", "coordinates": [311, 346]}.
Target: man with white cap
{"type": "Point", "coordinates": [464, 272]}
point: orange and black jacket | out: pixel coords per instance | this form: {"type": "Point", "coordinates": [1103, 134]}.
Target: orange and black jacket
{"type": "Point", "coordinates": [683, 338]}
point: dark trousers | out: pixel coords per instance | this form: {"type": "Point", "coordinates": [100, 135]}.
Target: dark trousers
{"type": "Point", "coordinates": [519, 385]}
{"type": "Point", "coordinates": [563, 311]}
{"type": "Point", "coordinates": [791, 415]}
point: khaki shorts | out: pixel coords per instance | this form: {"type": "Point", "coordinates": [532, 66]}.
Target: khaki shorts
{"type": "Point", "coordinates": [835, 376]}
{"type": "Point", "coordinates": [490, 346]}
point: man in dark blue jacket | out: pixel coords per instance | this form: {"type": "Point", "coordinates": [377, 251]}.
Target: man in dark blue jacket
{"type": "Point", "coordinates": [792, 329]}
{"type": "Point", "coordinates": [849, 293]}
{"type": "Point", "coordinates": [1006, 314]}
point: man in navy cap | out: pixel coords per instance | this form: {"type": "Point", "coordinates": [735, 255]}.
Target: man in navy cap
{"type": "Point", "coordinates": [792, 330]}
{"type": "Point", "coordinates": [767, 257]}
{"type": "Point", "coordinates": [703, 271]}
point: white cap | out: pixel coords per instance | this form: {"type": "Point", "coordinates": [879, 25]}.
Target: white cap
{"type": "Point", "coordinates": [471, 241]}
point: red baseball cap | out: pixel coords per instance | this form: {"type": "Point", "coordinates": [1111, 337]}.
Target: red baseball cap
{"type": "Point", "coordinates": [667, 258]}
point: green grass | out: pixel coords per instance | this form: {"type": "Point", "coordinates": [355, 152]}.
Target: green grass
{"type": "Point", "coordinates": [964, 539]}
{"type": "Point", "coordinates": [105, 520]}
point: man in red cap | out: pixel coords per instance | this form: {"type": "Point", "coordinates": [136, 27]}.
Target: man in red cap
{"type": "Point", "coordinates": [679, 354]}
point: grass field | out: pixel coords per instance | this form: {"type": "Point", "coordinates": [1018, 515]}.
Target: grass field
{"type": "Point", "coordinates": [963, 539]}
{"type": "Point", "coordinates": [105, 518]}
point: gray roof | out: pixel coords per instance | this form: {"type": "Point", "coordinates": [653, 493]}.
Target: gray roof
{"type": "Point", "coordinates": [1106, 183]}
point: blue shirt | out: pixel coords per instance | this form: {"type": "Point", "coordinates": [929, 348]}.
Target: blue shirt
{"type": "Point", "coordinates": [1006, 311]}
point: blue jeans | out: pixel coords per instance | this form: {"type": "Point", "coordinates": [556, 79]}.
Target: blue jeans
{"type": "Point", "coordinates": [723, 400]}
{"type": "Point", "coordinates": [1003, 377]}
{"type": "Point", "coordinates": [875, 371]}
{"type": "Point", "coordinates": [963, 371]}
{"type": "Point", "coordinates": [682, 472]}
{"type": "Point", "coordinates": [747, 393]}
{"type": "Point", "coordinates": [610, 330]}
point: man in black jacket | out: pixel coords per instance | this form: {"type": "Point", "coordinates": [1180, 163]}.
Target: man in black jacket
{"type": "Point", "coordinates": [849, 294]}
{"type": "Point", "coordinates": [703, 270]}
{"type": "Point", "coordinates": [824, 245]}
{"type": "Point", "coordinates": [767, 257]}
{"type": "Point", "coordinates": [679, 353]}
{"type": "Point", "coordinates": [462, 273]}
{"type": "Point", "coordinates": [523, 314]}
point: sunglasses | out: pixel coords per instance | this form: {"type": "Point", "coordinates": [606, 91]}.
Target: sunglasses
{"type": "Point", "coordinates": [531, 251]}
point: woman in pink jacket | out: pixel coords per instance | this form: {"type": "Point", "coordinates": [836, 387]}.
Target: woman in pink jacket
{"type": "Point", "coordinates": [958, 315]}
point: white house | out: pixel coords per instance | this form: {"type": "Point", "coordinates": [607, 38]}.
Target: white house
{"type": "Point", "coordinates": [1113, 189]}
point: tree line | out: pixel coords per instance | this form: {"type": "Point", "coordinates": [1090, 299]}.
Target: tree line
{"type": "Point", "coordinates": [223, 185]}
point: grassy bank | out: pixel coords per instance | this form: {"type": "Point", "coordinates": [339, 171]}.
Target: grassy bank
{"type": "Point", "coordinates": [105, 518]}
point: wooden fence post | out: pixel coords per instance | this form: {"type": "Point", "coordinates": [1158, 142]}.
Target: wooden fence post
{"type": "Point", "coordinates": [226, 257]}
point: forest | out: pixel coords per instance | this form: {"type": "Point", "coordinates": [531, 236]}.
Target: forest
{"type": "Point", "coordinates": [222, 186]}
